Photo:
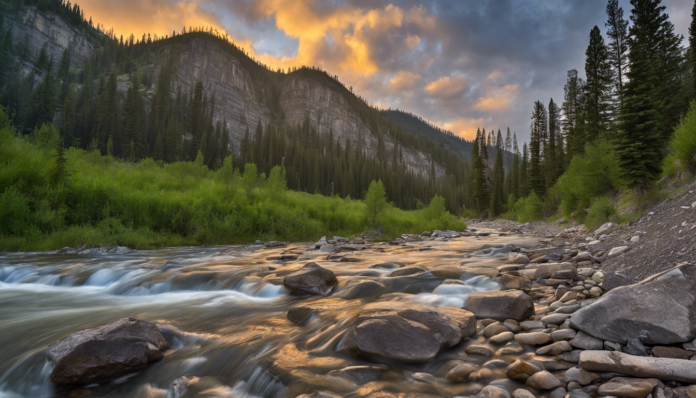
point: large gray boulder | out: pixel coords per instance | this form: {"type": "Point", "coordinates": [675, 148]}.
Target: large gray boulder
{"type": "Point", "coordinates": [659, 310]}
{"type": "Point", "coordinates": [311, 280]}
{"type": "Point", "coordinates": [501, 305]}
{"type": "Point", "coordinates": [409, 335]}
{"type": "Point", "coordinates": [111, 350]}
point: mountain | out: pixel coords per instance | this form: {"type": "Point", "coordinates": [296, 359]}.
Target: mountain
{"type": "Point", "coordinates": [330, 140]}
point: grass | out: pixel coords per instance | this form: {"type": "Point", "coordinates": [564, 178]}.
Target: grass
{"type": "Point", "coordinates": [105, 201]}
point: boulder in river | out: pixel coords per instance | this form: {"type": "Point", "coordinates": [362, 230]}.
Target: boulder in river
{"type": "Point", "coordinates": [311, 280]}
{"type": "Point", "coordinates": [409, 335]}
{"type": "Point", "coordinates": [501, 305]}
{"type": "Point", "coordinates": [659, 310]}
{"type": "Point", "coordinates": [111, 350]}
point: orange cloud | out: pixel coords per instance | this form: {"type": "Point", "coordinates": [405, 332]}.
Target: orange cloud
{"type": "Point", "coordinates": [412, 40]}
{"type": "Point", "coordinates": [446, 87]}
{"type": "Point", "coordinates": [464, 127]}
{"type": "Point", "coordinates": [498, 99]}
{"type": "Point", "coordinates": [404, 81]}
{"type": "Point", "coordinates": [159, 17]}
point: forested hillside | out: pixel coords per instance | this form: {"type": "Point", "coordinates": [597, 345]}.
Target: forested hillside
{"type": "Point", "coordinates": [136, 98]}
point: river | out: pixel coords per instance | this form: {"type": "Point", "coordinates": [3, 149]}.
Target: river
{"type": "Point", "coordinates": [223, 311]}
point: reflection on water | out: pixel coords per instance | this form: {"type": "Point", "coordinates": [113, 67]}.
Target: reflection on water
{"type": "Point", "coordinates": [223, 311]}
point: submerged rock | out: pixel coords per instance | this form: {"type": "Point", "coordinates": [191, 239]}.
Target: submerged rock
{"type": "Point", "coordinates": [111, 350]}
{"type": "Point", "coordinates": [501, 305]}
{"type": "Point", "coordinates": [312, 280]}
{"type": "Point", "coordinates": [411, 335]}
{"type": "Point", "coordinates": [659, 310]}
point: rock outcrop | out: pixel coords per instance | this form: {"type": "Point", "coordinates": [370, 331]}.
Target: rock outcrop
{"type": "Point", "coordinates": [111, 350]}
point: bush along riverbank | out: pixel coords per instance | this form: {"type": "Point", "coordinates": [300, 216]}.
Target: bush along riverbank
{"type": "Point", "coordinates": [52, 197]}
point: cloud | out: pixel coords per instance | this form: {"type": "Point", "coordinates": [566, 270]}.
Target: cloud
{"type": "Point", "coordinates": [446, 87]}
{"type": "Point", "coordinates": [404, 81]}
{"type": "Point", "coordinates": [465, 127]}
{"type": "Point", "coordinates": [498, 99]}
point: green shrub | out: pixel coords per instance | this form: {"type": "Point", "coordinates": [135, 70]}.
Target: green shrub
{"type": "Point", "coordinates": [529, 209]}
{"type": "Point", "coordinates": [601, 210]}
{"type": "Point", "coordinates": [669, 166]}
{"type": "Point", "coordinates": [590, 175]}
{"type": "Point", "coordinates": [683, 141]}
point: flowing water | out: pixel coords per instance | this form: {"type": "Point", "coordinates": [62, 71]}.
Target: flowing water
{"type": "Point", "coordinates": [223, 311]}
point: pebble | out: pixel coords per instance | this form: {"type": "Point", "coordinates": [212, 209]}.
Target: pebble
{"type": "Point", "coordinates": [521, 370]}
{"type": "Point", "coordinates": [555, 319]}
{"type": "Point", "coordinates": [586, 342]}
{"type": "Point", "coordinates": [494, 329]}
{"type": "Point", "coordinates": [555, 348]}
{"type": "Point", "coordinates": [580, 376]}
{"type": "Point", "coordinates": [510, 349]}
{"type": "Point", "coordinates": [628, 387]}
{"type": "Point", "coordinates": [529, 325]}
{"type": "Point", "coordinates": [522, 393]}
{"type": "Point", "coordinates": [564, 334]}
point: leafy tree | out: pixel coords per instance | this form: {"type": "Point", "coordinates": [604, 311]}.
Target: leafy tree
{"type": "Point", "coordinates": [375, 200]}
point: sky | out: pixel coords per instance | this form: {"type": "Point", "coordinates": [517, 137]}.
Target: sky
{"type": "Point", "coordinates": [461, 64]}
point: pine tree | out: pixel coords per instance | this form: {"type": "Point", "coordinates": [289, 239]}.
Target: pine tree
{"type": "Point", "coordinates": [647, 112]}
{"type": "Point", "coordinates": [692, 46]}
{"type": "Point", "coordinates": [554, 164]}
{"type": "Point", "coordinates": [497, 196]}
{"type": "Point", "coordinates": [524, 181]}
{"type": "Point", "coordinates": [69, 119]}
{"type": "Point", "coordinates": [573, 123]}
{"type": "Point", "coordinates": [45, 98]}
{"type": "Point", "coordinates": [597, 88]}
{"type": "Point", "coordinates": [158, 152]}
{"type": "Point", "coordinates": [539, 130]}
{"type": "Point", "coordinates": [197, 119]}
{"type": "Point", "coordinates": [617, 30]}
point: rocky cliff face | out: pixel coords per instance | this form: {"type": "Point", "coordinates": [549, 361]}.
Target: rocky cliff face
{"type": "Point", "coordinates": [245, 95]}
{"type": "Point", "coordinates": [37, 30]}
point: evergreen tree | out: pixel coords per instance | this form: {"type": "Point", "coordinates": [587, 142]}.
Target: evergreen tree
{"type": "Point", "coordinates": [69, 119]}
{"type": "Point", "coordinates": [158, 152]}
{"type": "Point", "coordinates": [524, 181]}
{"type": "Point", "coordinates": [554, 164]}
{"type": "Point", "coordinates": [64, 67]}
{"type": "Point", "coordinates": [197, 119]}
{"type": "Point", "coordinates": [497, 196]}
{"type": "Point", "coordinates": [539, 130]}
{"type": "Point", "coordinates": [108, 116]}
{"type": "Point", "coordinates": [597, 88]}
{"type": "Point", "coordinates": [45, 98]}
{"type": "Point", "coordinates": [135, 129]}
{"type": "Point", "coordinates": [647, 112]}
{"type": "Point", "coordinates": [573, 123]}
{"type": "Point", "coordinates": [692, 47]}
{"type": "Point", "coordinates": [617, 30]}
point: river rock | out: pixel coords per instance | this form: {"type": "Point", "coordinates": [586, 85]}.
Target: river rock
{"type": "Point", "coordinates": [502, 338]}
{"type": "Point", "coordinates": [494, 329]}
{"type": "Point", "coordinates": [301, 315]}
{"type": "Point", "coordinates": [672, 352]}
{"type": "Point", "coordinates": [479, 350]}
{"type": "Point", "coordinates": [554, 319]}
{"type": "Point", "coordinates": [517, 258]}
{"type": "Point", "coordinates": [501, 305]}
{"type": "Point", "coordinates": [536, 338]}
{"type": "Point", "coordinates": [628, 387]}
{"type": "Point", "coordinates": [274, 244]}
{"type": "Point", "coordinates": [544, 271]}
{"type": "Point", "coordinates": [555, 349]}
{"type": "Point", "coordinates": [522, 393]}
{"type": "Point", "coordinates": [606, 229]}
{"type": "Point", "coordinates": [411, 336]}
{"type": "Point", "coordinates": [563, 334]}
{"type": "Point", "coordinates": [362, 289]}
{"type": "Point", "coordinates": [521, 370]}
{"type": "Point", "coordinates": [461, 372]}
{"type": "Point", "coordinates": [631, 365]}
{"type": "Point", "coordinates": [586, 342]}
{"type": "Point", "coordinates": [543, 381]}
{"type": "Point", "coordinates": [580, 376]}
{"type": "Point", "coordinates": [618, 251]}
{"type": "Point", "coordinates": [111, 350]}
{"type": "Point", "coordinates": [511, 282]}
{"type": "Point", "coordinates": [493, 392]}
{"type": "Point", "coordinates": [662, 306]}
{"type": "Point", "coordinates": [407, 271]}
{"type": "Point", "coordinates": [311, 280]}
